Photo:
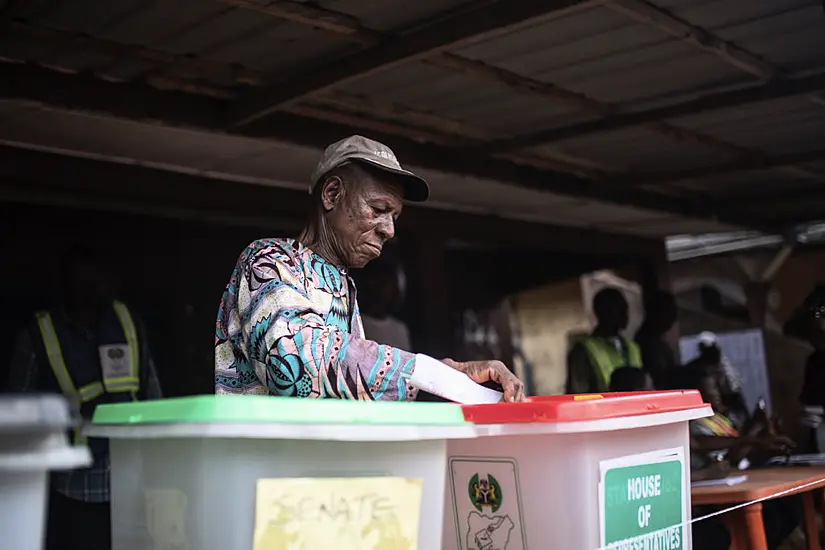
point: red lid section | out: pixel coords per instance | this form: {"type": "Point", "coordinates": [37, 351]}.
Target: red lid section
{"type": "Point", "coordinates": [576, 408]}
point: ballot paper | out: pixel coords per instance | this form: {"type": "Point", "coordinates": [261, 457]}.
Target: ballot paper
{"type": "Point", "coordinates": [725, 481]}
{"type": "Point", "coordinates": [433, 376]}
{"type": "Point", "coordinates": [368, 513]}
{"type": "Point", "coordinates": [798, 460]}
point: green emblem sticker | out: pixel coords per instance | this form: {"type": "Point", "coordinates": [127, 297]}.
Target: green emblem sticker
{"type": "Point", "coordinates": [485, 492]}
{"type": "Point", "coordinates": [487, 503]}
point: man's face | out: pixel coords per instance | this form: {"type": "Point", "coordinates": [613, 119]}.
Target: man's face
{"type": "Point", "coordinates": [710, 352]}
{"type": "Point", "coordinates": [88, 285]}
{"type": "Point", "coordinates": [363, 217]}
{"type": "Point", "coordinates": [617, 314]}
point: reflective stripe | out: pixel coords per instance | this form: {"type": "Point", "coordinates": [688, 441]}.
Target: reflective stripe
{"type": "Point", "coordinates": [55, 355]}
{"type": "Point", "coordinates": [607, 358]}
{"type": "Point", "coordinates": [90, 392]}
{"type": "Point", "coordinates": [130, 332]}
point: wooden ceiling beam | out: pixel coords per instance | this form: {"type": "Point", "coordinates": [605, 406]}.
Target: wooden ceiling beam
{"type": "Point", "coordinates": [467, 24]}
{"type": "Point", "coordinates": [779, 161]}
{"type": "Point", "coordinates": [193, 75]}
{"type": "Point", "coordinates": [349, 27]}
{"type": "Point", "coordinates": [707, 103]}
{"type": "Point", "coordinates": [36, 177]}
{"type": "Point", "coordinates": [86, 93]}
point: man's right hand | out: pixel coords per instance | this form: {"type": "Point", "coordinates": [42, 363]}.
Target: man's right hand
{"type": "Point", "coordinates": [491, 371]}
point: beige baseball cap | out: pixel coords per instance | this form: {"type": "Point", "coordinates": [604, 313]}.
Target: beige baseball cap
{"type": "Point", "coordinates": [376, 154]}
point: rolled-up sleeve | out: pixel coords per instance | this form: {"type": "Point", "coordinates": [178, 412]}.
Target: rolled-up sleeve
{"type": "Point", "coordinates": [295, 352]}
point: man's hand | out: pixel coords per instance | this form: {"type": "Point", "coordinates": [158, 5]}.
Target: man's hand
{"type": "Point", "coordinates": [778, 443]}
{"type": "Point", "coordinates": [491, 371]}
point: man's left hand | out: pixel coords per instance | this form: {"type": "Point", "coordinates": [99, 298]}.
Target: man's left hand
{"type": "Point", "coordinates": [491, 371]}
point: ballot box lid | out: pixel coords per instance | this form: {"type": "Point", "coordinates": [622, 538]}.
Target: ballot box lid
{"type": "Point", "coordinates": [35, 413]}
{"type": "Point", "coordinates": [277, 410]}
{"type": "Point", "coordinates": [586, 407]}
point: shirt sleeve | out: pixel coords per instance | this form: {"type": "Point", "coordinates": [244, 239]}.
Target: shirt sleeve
{"type": "Point", "coordinates": [579, 371]}
{"type": "Point", "coordinates": [699, 429]}
{"type": "Point", "coordinates": [295, 352]}
{"type": "Point", "coordinates": [23, 370]}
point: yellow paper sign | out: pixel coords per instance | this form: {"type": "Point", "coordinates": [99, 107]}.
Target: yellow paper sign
{"type": "Point", "coordinates": [373, 513]}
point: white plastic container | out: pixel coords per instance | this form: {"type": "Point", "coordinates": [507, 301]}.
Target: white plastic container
{"type": "Point", "coordinates": [542, 463]}
{"type": "Point", "coordinates": [184, 471]}
{"type": "Point", "coordinates": [33, 442]}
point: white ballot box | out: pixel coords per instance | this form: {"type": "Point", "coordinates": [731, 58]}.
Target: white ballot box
{"type": "Point", "coordinates": [185, 471]}
{"type": "Point", "coordinates": [573, 472]}
{"type": "Point", "coordinates": [33, 442]}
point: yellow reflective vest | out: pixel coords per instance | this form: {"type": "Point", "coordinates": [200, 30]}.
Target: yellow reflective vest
{"type": "Point", "coordinates": [124, 386]}
{"type": "Point", "coordinates": [606, 358]}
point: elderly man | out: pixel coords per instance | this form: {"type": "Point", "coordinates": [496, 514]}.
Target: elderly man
{"type": "Point", "coordinates": [289, 324]}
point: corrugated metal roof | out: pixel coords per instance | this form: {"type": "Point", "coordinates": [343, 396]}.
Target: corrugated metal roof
{"type": "Point", "coordinates": [750, 183]}
{"type": "Point", "coordinates": [606, 56]}
{"type": "Point", "coordinates": [775, 127]}
{"type": "Point", "coordinates": [594, 50]}
{"type": "Point", "coordinates": [210, 30]}
{"type": "Point", "coordinates": [640, 149]}
{"type": "Point", "coordinates": [788, 33]}
{"type": "Point", "coordinates": [459, 97]}
{"type": "Point", "coordinates": [389, 15]}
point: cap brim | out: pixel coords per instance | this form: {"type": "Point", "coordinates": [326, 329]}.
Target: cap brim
{"type": "Point", "coordinates": [416, 188]}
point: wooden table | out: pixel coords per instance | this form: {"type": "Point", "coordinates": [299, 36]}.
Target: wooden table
{"type": "Point", "coordinates": [745, 524]}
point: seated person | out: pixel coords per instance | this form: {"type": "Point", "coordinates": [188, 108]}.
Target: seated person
{"type": "Point", "coordinates": [715, 445]}
{"type": "Point", "coordinates": [727, 378]}
{"type": "Point", "coordinates": [626, 379]}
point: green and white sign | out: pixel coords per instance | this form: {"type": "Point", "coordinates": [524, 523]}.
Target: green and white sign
{"type": "Point", "coordinates": [643, 502]}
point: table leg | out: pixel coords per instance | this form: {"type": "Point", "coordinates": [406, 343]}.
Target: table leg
{"type": "Point", "coordinates": [811, 528]}
{"type": "Point", "coordinates": [755, 527]}
{"type": "Point", "coordinates": [734, 521]}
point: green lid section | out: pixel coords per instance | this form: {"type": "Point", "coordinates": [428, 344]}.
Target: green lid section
{"type": "Point", "coordinates": [282, 410]}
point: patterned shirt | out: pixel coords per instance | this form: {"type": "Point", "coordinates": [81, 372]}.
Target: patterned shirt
{"type": "Point", "coordinates": [288, 325]}
{"type": "Point", "coordinates": [26, 375]}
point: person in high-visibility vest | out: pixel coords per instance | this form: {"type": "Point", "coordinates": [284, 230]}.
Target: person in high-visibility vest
{"type": "Point", "coordinates": [593, 359]}
{"type": "Point", "coordinates": [92, 350]}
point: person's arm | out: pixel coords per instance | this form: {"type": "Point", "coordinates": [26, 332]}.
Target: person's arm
{"type": "Point", "coordinates": [23, 370]}
{"type": "Point", "coordinates": [295, 352]}
{"type": "Point", "coordinates": [579, 371]}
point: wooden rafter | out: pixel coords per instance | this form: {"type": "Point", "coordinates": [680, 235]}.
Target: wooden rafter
{"type": "Point", "coordinates": [449, 132]}
{"type": "Point", "coordinates": [190, 74]}
{"type": "Point", "coordinates": [727, 51]}
{"type": "Point", "coordinates": [702, 38]}
{"type": "Point", "coordinates": [350, 28]}
{"type": "Point", "coordinates": [779, 161]}
{"type": "Point", "coordinates": [86, 93]}
{"type": "Point", "coordinates": [461, 27]}
{"type": "Point", "coordinates": [707, 103]}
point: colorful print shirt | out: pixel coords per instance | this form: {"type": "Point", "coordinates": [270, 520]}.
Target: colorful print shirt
{"type": "Point", "coordinates": [288, 325]}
